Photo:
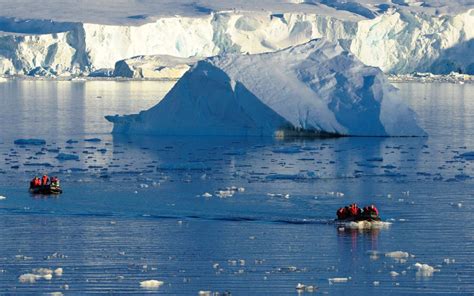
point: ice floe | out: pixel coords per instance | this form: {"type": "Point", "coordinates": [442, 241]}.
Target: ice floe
{"type": "Point", "coordinates": [66, 156]}
{"type": "Point", "coordinates": [34, 142]}
{"type": "Point", "coordinates": [424, 270]}
{"type": "Point", "coordinates": [151, 284]}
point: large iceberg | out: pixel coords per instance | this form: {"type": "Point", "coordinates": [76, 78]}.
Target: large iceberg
{"type": "Point", "coordinates": [313, 89]}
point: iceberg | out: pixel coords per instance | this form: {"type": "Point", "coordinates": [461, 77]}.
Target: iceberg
{"type": "Point", "coordinates": [154, 67]}
{"type": "Point", "coordinates": [314, 89]}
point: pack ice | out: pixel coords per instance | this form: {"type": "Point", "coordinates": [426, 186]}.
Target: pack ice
{"type": "Point", "coordinates": [312, 89]}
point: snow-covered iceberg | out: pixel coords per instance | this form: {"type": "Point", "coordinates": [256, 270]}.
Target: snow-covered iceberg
{"type": "Point", "coordinates": [314, 89]}
{"type": "Point", "coordinates": [154, 66]}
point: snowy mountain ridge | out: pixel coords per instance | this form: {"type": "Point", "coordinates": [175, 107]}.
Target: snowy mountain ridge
{"type": "Point", "coordinates": [397, 40]}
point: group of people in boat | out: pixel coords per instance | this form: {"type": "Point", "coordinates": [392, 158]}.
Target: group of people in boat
{"type": "Point", "coordinates": [45, 184]}
{"type": "Point", "coordinates": [352, 212]}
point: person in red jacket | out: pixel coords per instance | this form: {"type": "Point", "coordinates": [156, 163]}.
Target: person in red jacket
{"type": "Point", "coordinates": [45, 180]}
{"type": "Point", "coordinates": [354, 210]}
{"type": "Point", "coordinates": [341, 213]}
{"type": "Point", "coordinates": [374, 210]}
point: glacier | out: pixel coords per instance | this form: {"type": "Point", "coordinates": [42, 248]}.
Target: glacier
{"type": "Point", "coordinates": [399, 38]}
{"type": "Point", "coordinates": [314, 89]}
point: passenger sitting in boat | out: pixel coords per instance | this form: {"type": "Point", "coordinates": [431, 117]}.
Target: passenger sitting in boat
{"type": "Point", "coordinates": [45, 180]}
{"type": "Point", "coordinates": [353, 213]}
{"type": "Point", "coordinates": [55, 182]}
{"type": "Point", "coordinates": [342, 213]}
{"type": "Point", "coordinates": [35, 182]}
{"type": "Point", "coordinates": [354, 210]}
{"type": "Point", "coordinates": [370, 212]}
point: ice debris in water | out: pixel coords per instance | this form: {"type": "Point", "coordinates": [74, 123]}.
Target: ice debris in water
{"type": "Point", "coordinates": [305, 288]}
{"type": "Point", "coordinates": [286, 196]}
{"type": "Point", "coordinates": [2, 197]}
{"type": "Point", "coordinates": [398, 255]}
{"type": "Point", "coordinates": [36, 142]}
{"type": "Point", "coordinates": [339, 280]}
{"type": "Point", "coordinates": [335, 193]}
{"type": "Point", "coordinates": [38, 274]}
{"type": "Point", "coordinates": [151, 284]}
{"type": "Point", "coordinates": [394, 274]}
{"type": "Point", "coordinates": [228, 191]}
{"type": "Point", "coordinates": [66, 156]}
{"type": "Point", "coordinates": [207, 195]}
{"type": "Point", "coordinates": [424, 270]}
{"type": "Point", "coordinates": [448, 261]}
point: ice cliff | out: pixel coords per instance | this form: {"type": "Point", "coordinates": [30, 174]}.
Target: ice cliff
{"type": "Point", "coordinates": [396, 39]}
{"type": "Point", "coordinates": [313, 89]}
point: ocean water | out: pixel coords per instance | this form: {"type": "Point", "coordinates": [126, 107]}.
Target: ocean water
{"type": "Point", "coordinates": [244, 216]}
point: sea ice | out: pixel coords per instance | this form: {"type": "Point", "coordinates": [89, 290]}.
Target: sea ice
{"type": "Point", "coordinates": [151, 284]}
{"type": "Point", "coordinates": [339, 280]}
{"type": "Point", "coordinates": [397, 255]}
{"type": "Point", "coordinates": [66, 156]}
{"type": "Point", "coordinates": [36, 142]}
{"type": "Point", "coordinates": [2, 197]}
{"type": "Point", "coordinates": [424, 270]}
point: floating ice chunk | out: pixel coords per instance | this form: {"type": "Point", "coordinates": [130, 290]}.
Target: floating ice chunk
{"type": "Point", "coordinates": [151, 284]}
{"type": "Point", "coordinates": [55, 294]}
{"type": "Point", "coordinates": [66, 156]}
{"type": "Point", "coordinates": [3, 197]}
{"type": "Point", "coordinates": [48, 277]}
{"type": "Point", "coordinates": [36, 142]}
{"type": "Point", "coordinates": [394, 274]}
{"type": "Point", "coordinates": [300, 286]}
{"type": "Point", "coordinates": [37, 274]}
{"type": "Point", "coordinates": [29, 278]}
{"type": "Point", "coordinates": [424, 270]}
{"type": "Point", "coordinates": [207, 195]}
{"type": "Point", "coordinates": [376, 283]}
{"type": "Point", "coordinates": [448, 261]}
{"type": "Point", "coordinates": [42, 271]}
{"type": "Point", "coordinates": [467, 155]}
{"type": "Point", "coordinates": [336, 193]}
{"type": "Point", "coordinates": [224, 193]}
{"type": "Point", "coordinates": [339, 280]}
{"type": "Point", "coordinates": [397, 254]}
{"type": "Point", "coordinates": [205, 293]}
{"type": "Point", "coordinates": [58, 271]}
